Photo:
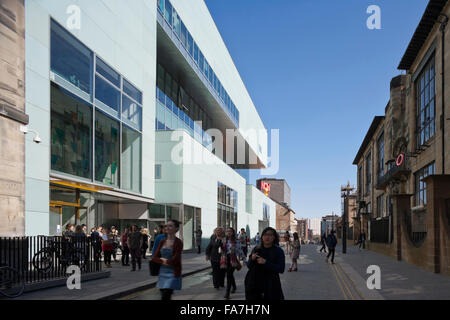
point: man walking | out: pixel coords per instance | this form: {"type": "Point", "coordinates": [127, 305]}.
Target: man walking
{"type": "Point", "coordinates": [198, 239]}
{"type": "Point", "coordinates": [125, 249]}
{"type": "Point", "coordinates": [322, 240]}
{"type": "Point", "coordinates": [135, 245]}
{"type": "Point", "coordinates": [362, 240]}
{"type": "Point", "coordinates": [243, 240]}
{"type": "Point", "coordinates": [331, 244]}
{"type": "Point", "coordinates": [257, 239]}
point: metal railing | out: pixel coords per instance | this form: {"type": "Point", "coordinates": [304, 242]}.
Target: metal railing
{"type": "Point", "coordinates": [44, 258]}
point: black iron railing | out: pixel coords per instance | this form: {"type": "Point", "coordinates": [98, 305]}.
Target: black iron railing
{"type": "Point", "coordinates": [43, 258]}
{"type": "Point", "coordinates": [417, 232]}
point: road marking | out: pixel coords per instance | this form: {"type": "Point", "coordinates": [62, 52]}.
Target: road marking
{"type": "Point", "coordinates": [343, 281]}
{"type": "Point", "coordinates": [338, 281]}
{"type": "Point", "coordinates": [351, 282]}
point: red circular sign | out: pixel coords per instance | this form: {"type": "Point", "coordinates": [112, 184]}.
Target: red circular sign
{"type": "Point", "coordinates": [400, 159]}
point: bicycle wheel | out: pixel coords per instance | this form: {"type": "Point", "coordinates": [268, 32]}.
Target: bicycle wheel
{"type": "Point", "coordinates": [43, 261]}
{"type": "Point", "coordinates": [11, 283]}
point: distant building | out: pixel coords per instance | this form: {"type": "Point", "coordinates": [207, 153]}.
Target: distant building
{"type": "Point", "coordinates": [328, 223]}
{"type": "Point", "coordinates": [314, 225]}
{"type": "Point", "coordinates": [278, 189]}
{"type": "Point", "coordinates": [302, 229]}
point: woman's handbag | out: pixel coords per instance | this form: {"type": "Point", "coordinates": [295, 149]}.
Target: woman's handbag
{"type": "Point", "coordinates": [154, 268]}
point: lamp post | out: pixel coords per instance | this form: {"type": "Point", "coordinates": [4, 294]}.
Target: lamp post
{"type": "Point", "coordinates": [345, 192]}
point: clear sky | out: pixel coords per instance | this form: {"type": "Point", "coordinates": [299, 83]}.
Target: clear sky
{"type": "Point", "coordinates": [316, 72]}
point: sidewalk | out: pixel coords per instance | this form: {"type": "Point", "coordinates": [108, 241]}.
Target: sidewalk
{"type": "Point", "coordinates": [399, 279]}
{"type": "Point", "coordinates": [121, 282]}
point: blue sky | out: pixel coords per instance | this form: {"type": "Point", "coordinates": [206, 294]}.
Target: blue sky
{"type": "Point", "coordinates": [316, 72]}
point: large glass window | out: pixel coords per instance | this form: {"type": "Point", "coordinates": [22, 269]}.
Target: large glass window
{"type": "Point", "coordinates": [131, 91]}
{"type": "Point", "coordinates": [380, 206]}
{"type": "Point", "coordinates": [176, 24]}
{"type": "Point", "coordinates": [168, 11]}
{"type": "Point", "coordinates": [190, 44]}
{"type": "Point", "coordinates": [425, 119]}
{"type": "Point", "coordinates": [71, 134]}
{"type": "Point", "coordinates": [368, 172]}
{"type": "Point", "coordinates": [131, 113]}
{"type": "Point", "coordinates": [131, 159]}
{"type": "Point", "coordinates": [380, 147]}
{"type": "Point", "coordinates": [195, 52]}
{"type": "Point", "coordinates": [107, 141]}
{"type": "Point", "coordinates": [420, 185]}
{"type": "Point", "coordinates": [107, 72]}
{"type": "Point", "coordinates": [70, 59]}
{"type": "Point", "coordinates": [107, 94]}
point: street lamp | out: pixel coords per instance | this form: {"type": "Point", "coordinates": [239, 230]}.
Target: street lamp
{"type": "Point", "coordinates": [345, 192]}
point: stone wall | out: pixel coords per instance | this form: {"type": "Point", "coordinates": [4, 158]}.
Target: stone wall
{"type": "Point", "coordinates": [12, 107]}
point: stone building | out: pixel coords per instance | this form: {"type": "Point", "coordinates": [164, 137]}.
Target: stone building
{"type": "Point", "coordinates": [285, 218]}
{"type": "Point", "coordinates": [279, 190]}
{"type": "Point", "coordinates": [12, 115]}
{"type": "Point", "coordinates": [403, 162]}
{"type": "Point", "coordinates": [303, 229]}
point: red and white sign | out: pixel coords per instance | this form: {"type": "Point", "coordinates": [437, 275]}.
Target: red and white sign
{"type": "Point", "coordinates": [400, 159]}
{"type": "Point", "coordinates": [265, 187]}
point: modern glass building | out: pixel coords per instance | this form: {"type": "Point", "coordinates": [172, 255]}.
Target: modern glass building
{"type": "Point", "coordinates": [116, 97]}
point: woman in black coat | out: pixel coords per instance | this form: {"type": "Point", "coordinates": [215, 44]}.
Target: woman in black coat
{"type": "Point", "coordinates": [266, 262]}
{"type": "Point", "coordinates": [213, 255]}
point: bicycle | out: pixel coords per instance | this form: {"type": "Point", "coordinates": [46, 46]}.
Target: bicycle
{"type": "Point", "coordinates": [12, 283]}
{"type": "Point", "coordinates": [43, 260]}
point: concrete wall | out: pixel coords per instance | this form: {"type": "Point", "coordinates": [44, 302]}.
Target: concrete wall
{"type": "Point", "coordinates": [12, 98]}
{"type": "Point", "coordinates": [124, 35]}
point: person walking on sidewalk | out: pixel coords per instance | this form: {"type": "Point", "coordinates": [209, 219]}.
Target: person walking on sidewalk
{"type": "Point", "coordinates": [198, 239]}
{"type": "Point", "coordinates": [243, 241]}
{"type": "Point", "coordinates": [331, 244]}
{"type": "Point", "coordinates": [230, 252]}
{"type": "Point", "coordinates": [287, 240]}
{"type": "Point", "coordinates": [265, 264]}
{"type": "Point", "coordinates": [213, 255]}
{"type": "Point", "coordinates": [161, 236]}
{"type": "Point", "coordinates": [295, 252]}
{"type": "Point", "coordinates": [362, 240]}
{"type": "Point", "coordinates": [125, 248]}
{"type": "Point", "coordinates": [168, 254]}
{"type": "Point", "coordinates": [257, 239]}
{"type": "Point", "coordinates": [145, 237]}
{"type": "Point", "coordinates": [323, 240]}
{"type": "Point", "coordinates": [107, 246]}
{"type": "Point", "coordinates": [135, 246]}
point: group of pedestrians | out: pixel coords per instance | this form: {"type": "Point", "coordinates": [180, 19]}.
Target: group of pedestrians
{"type": "Point", "coordinates": [227, 253]}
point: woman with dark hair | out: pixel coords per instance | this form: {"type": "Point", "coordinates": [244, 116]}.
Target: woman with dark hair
{"type": "Point", "coordinates": [230, 253]}
{"type": "Point", "coordinates": [213, 255]}
{"type": "Point", "coordinates": [265, 264]}
{"type": "Point", "coordinates": [168, 254]}
{"type": "Point", "coordinates": [295, 252]}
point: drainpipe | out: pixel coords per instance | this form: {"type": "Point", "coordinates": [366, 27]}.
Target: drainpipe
{"type": "Point", "coordinates": [442, 28]}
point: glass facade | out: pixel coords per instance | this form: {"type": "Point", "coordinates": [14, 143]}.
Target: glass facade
{"type": "Point", "coordinates": [226, 207]}
{"type": "Point", "coordinates": [71, 133]}
{"type": "Point", "coordinates": [167, 11]}
{"type": "Point", "coordinates": [70, 59]}
{"type": "Point", "coordinates": [420, 185]}
{"type": "Point", "coordinates": [107, 152]}
{"type": "Point", "coordinates": [425, 101]}
{"type": "Point", "coordinates": [131, 159]}
{"type": "Point", "coordinates": [380, 147]}
{"type": "Point", "coordinates": [170, 117]}
{"type": "Point", "coordinates": [78, 145]}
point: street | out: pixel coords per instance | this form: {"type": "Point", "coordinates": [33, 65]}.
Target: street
{"type": "Point", "coordinates": [317, 280]}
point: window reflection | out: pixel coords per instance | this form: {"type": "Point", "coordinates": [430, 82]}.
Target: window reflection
{"type": "Point", "coordinates": [71, 127]}
{"type": "Point", "coordinates": [106, 149]}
